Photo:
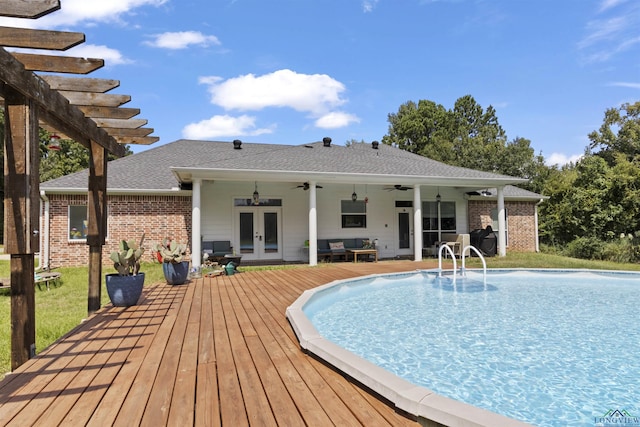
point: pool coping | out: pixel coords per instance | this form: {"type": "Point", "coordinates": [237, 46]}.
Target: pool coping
{"type": "Point", "coordinates": [424, 404]}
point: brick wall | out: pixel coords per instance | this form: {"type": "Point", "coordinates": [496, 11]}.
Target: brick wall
{"type": "Point", "coordinates": [129, 217]}
{"type": "Point", "coordinates": [521, 226]}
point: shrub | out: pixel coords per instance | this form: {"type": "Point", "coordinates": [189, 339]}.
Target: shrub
{"type": "Point", "coordinates": [625, 250]}
{"type": "Point", "coordinates": [586, 248]}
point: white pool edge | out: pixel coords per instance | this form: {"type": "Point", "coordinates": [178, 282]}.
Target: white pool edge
{"type": "Point", "coordinates": [418, 401]}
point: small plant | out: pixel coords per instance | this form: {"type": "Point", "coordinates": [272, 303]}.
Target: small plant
{"type": "Point", "coordinates": [170, 251]}
{"type": "Point", "coordinates": [127, 259]}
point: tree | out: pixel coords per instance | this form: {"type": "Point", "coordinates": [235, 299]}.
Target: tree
{"type": "Point", "coordinates": [599, 196]}
{"type": "Point", "coordinates": [619, 133]}
{"type": "Point", "coordinates": [467, 136]}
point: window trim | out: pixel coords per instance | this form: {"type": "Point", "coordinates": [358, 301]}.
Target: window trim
{"type": "Point", "coordinates": [346, 215]}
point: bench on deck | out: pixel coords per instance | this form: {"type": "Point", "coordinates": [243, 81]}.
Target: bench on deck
{"type": "Point", "coordinates": [216, 250]}
{"type": "Point", "coordinates": [47, 278]}
{"type": "Point", "coordinates": [331, 249]}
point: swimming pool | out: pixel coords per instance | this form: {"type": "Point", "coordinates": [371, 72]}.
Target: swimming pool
{"type": "Point", "coordinates": [551, 348]}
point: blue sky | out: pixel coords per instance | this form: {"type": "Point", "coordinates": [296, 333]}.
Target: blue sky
{"type": "Point", "coordinates": [294, 71]}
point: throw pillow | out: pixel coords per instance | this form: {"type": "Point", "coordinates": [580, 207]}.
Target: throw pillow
{"type": "Point", "coordinates": [336, 246]}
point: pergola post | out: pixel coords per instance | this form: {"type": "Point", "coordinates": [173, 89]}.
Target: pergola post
{"type": "Point", "coordinates": [97, 222]}
{"type": "Point", "coordinates": [21, 189]}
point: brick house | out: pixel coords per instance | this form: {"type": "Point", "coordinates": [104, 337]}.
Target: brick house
{"type": "Point", "coordinates": [273, 202]}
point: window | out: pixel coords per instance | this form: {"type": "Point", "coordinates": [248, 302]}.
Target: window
{"type": "Point", "coordinates": [494, 224]}
{"type": "Point", "coordinates": [354, 214]}
{"type": "Point", "coordinates": [430, 226]}
{"type": "Point", "coordinates": [77, 222]}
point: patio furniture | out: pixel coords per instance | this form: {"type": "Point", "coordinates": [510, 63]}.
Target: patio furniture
{"type": "Point", "coordinates": [366, 252]}
{"type": "Point", "coordinates": [46, 278]}
{"type": "Point", "coordinates": [457, 242]}
{"type": "Point", "coordinates": [332, 250]}
{"type": "Point", "coordinates": [216, 249]}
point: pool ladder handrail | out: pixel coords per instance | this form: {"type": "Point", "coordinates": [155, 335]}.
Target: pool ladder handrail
{"type": "Point", "coordinates": [455, 265]}
{"type": "Point", "coordinates": [484, 263]}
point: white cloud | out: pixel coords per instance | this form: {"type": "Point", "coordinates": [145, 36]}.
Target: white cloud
{"type": "Point", "coordinates": [369, 5]}
{"type": "Point", "coordinates": [110, 56]}
{"type": "Point", "coordinates": [616, 31]}
{"type": "Point", "coordinates": [316, 94]}
{"type": "Point", "coordinates": [218, 126]}
{"type": "Point", "coordinates": [562, 159]}
{"type": "Point", "coordinates": [182, 40]}
{"type": "Point", "coordinates": [336, 119]}
{"type": "Point", "coordinates": [608, 4]}
{"type": "Point", "coordinates": [626, 84]}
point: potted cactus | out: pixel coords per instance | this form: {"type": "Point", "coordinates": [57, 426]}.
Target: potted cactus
{"type": "Point", "coordinates": [125, 286]}
{"type": "Point", "coordinates": [172, 255]}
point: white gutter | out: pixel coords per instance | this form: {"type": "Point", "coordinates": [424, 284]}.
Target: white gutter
{"type": "Point", "coordinates": [186, 173]}
{"type": "Point", "coordinates": [122, 191]}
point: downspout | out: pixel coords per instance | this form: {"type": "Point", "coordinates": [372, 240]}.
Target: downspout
{"type": "Point", "coordinates": [417, 224]}
{"type": "Point", "coordinates": [313, 225]}
{"type": "Point", "coordinates": [502, 232]}
{"type": "Point", "coordinates": [43, 256]}
{"type": "Point", "coordinates": [536, 225]}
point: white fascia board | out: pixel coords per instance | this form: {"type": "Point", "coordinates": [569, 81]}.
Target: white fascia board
{"type": "Point", "coordinates": [118, 191]}
{"type": "Point", "coordinates": [188, 174]}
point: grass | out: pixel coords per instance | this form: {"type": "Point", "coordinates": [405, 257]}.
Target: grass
{"type": "Point", "coordinates": [65, 306]}
{"type": "Point", "coordinates": [59, 310]}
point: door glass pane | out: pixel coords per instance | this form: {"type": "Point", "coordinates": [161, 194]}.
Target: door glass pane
{"type": "Point", "coordinates": [403, 231]}
{"type": "Point", "coordinates": [246, 233]}
{"type": "Point", "coordinates": [270, 232]}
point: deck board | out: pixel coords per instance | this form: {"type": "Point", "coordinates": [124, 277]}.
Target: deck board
{"type": "Point", "coordinates": [214, 352]}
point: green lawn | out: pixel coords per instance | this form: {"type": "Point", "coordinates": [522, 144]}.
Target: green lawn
{"type": "Point", "coordinates": [58, 310]}
{"type": "Point", "coordinates": [61, 309]}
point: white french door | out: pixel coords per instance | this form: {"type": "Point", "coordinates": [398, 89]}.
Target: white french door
{"type": "Point", "coordinates": [259, 231]}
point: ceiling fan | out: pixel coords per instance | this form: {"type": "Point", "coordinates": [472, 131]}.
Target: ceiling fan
{"type": "Point", "coordinates": [398, 187]}
{"type": "Point", "coordinates": [305, 186]}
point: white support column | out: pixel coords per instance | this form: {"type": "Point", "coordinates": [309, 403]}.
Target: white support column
{"type": "Point", "coordinates": [417, 224]}
{"type": "Point", "coordinates": [196, 231]}
{"type": "Point", "coordinates": [502, 223]}
{"type": "Point", "coordinates": [313, 225]}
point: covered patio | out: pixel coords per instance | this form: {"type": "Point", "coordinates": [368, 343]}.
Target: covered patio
{"type": "Point", "coordinates": [216, 351]}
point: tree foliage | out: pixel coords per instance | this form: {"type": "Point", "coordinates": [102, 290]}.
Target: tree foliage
{"type": "Point", "coordinates": [467, 136]}
{"type": "Point", "coordinates": [598, 198]}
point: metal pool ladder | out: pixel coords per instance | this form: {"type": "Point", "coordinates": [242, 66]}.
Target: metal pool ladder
{"type": "Point", "coordinates": [455, 266]}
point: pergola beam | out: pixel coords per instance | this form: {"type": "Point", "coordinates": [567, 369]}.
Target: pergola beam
{"type": "Point", "coordinates": [95, 99]}
{"type": "Point", "coordinates": [80, 84]}
{"type": "Point", "coordinates": [120, 123]}
{"type": "Point", "coordinates": [39, 39]}
{"type": "Point", "coordinates": [58, 64]}
{"type": "Point", "coordinates": [52, 104]}
{"type": "Point", "coordinates": [28, 9]}
{"type": "Point", "coordinates": [108, 112]}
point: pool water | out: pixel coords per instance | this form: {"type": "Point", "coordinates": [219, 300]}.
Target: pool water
{"type": "Point", "coordinates": [549, 349]}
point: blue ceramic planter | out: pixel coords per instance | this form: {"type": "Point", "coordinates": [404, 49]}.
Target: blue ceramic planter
{"type": "Point", "coordinates": [124, 291]}
{"type": "Point", "coordinates": [176, 273]}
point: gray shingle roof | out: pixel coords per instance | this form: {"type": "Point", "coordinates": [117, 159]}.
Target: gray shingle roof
{"type": "Point", "coordinates": [151, 169]}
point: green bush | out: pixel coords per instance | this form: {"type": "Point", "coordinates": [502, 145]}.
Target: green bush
{"type": "Point", "coordinates": [626, 249]}
{"type": "Point", "coordinates": [586, 248]}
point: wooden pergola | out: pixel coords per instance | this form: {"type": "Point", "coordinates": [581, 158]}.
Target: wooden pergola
{"type": "Point", "coordinates": [77, 108]}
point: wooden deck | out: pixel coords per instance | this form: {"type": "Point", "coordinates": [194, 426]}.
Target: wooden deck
{"type": "Point", "coordinates": [215, 351]}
